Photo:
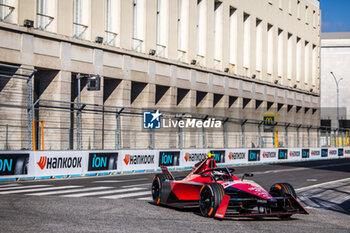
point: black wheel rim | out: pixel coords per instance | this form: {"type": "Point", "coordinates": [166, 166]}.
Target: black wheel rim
{"type": "Point", "coordinates": [205, 201]}
{"type": "Point", "coordinates": [155, 189]}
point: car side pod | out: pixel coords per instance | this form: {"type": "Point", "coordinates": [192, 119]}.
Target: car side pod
{"type": "Point", "coordinates": [220, 213]}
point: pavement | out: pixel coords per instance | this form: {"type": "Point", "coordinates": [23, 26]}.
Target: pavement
{"type": "Point", "coordinates": [122, 203]}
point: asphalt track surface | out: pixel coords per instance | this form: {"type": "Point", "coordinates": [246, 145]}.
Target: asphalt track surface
{"type": "Point", "coordinates": [121, 203]}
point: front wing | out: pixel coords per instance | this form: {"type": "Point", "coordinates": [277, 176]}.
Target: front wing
{"type": "Point", "coordinates": [228, 207]}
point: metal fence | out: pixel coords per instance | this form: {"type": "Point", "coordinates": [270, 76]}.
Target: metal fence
{"type": "Point", "coordinates": [29, 122]}
{"type": "Point", "coordinates": [109, 128]}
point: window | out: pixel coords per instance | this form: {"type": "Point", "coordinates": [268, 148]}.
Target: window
{"type": "Point", "coordinates": [182, 29]}
{"type": "Point", "coordinates": [290, 56]}
{"type": "Point", "coordinates": [112, 21]}
{"type": "Point", "coordinates": [314, 19]}
{"type": "Point", "coordinates": [307, 14]}
{"type": "Point", "coordinates": [269, 48]}
{"type": "Point", "coordinates": [259, 40]}
{"type": "Point", "coordinates": [44, 14]}
{"type": "Point", "coordinates": [307, 62]}
{"type": "Point", "coordinates": [2, 9]}
{"type": "Point", "coordinates": [162, 26]}
{"type": "Point", "coordinates": [314, 64]}
{"type": "Point", "coordinates": [298, 9]}
{"type": "Point", "coordinates": [280, 52]}
{"type": "Point", "coordinates": [270, 2]}
{"type": "Point", "coordinates": [290, 7]}
{"type": "Point", "coordinates": [280, 4]}
{"type": "Point", "coordinates": [299, 61]}
{"type": "Point", "coordinates": [138, 25]}
{"type": "Point", "coordinates": [201, 30]}
{"type": "Point", "coordinates": [246, 40]}
{"type": "Point", "coordinates": [6, 9]}
{"type": "Point", "coordinates": [233, 35]}
{"type": "Point", "coordinates": [218, 33]}
{"type": "Point", "coordinates": [80, 18]}
{"type": "Point", "coordinates": [179, 24]}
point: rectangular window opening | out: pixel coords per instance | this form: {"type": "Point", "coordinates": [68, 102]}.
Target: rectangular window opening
{"type": "Point", "coordinates": [259, 42]}
{"type": "Point", "coordinates": [269, 49]}
{"type": "Point", "coordinates": [233, 35]}
{"type": "Point", "coordinates": [246, 40]}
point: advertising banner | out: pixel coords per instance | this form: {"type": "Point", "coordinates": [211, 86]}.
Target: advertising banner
{"type": "Point", "coordinates": [268, 155]}
{"type": "Point", "coordinates": [103, 161]}
{"type": "Point", "coordinates": [189, 157]}
{"type": "Point", "coordinates": [347, 152]}
{"type": "Point", "coordinates": [341, 152]}
{"type": "Point", "coordinates": [236, 156]}
{"type": "Point", "coordinates": [133, 160]}
{"type": "Point", "coordinates": [282, 154]}
{"type": "Point", "coordinates": [294, 154]}
{"type": "Point", "coordinates": [305, 153]}
{"type": "Point", "coordinates": [49, 163]}
{"type": "Point", "coordinates": [169, 158]}
{"type": "Point", "coordinates": [324, 152]}
{"type": "Point", "coordinates": [332, 152]}
{"type": "Point", "coordinates": [253, 155]}
{"type": "Point", "coordinates": [315, 153]}
{"type": "Point", "coordinates": [219, 155]}
{"type": "Point", "coordinates": [14, 164]}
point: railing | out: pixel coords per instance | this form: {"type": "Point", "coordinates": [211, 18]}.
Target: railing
{"type": "Point", "coordinates": [217, 64]}
{"type": "Point", "coordinates": [232, 68]}
{"type": "Point", "coordinates": [111, 38]}
{"type": "Point", "coordinates": [161, 50]}
{"type": "Point", "coordinates": [44, 21]}
{"type": "Point", "coordinates": [137, 44]}
{"type": "Point", "coordinates": [79, 30]}
{"type": "Point", "coordinates": [3, 11]}
{"type": "Point", "coordinates": [181, 55]}
{"type": "Point", "coordinates": [200, 60]}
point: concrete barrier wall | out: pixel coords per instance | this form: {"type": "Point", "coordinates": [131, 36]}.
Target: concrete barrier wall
{"type": "Point", "coordinates": [21, 165]}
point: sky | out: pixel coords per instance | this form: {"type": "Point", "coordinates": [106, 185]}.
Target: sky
{"type": "Point", "coordinates": [335, 15]}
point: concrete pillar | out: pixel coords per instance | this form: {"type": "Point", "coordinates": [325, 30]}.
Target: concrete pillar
{"type": "Point", "coordinates": [26, 10]}
{"type": "Point", "coordinates": [65, 17]}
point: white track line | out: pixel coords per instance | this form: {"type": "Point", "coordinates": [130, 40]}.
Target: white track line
{"type": "Point", "coordinates": [145, 198]}
{"type": "Point", "coordinates": [8, 185]}
{"type": "Point", "coordinates": [39, 189]}
{"type": "Point", "coordinates": [24, 187]}
{"type": "Point", "coordinates": [321, 184]}
{"type": "Point", "coordinates": [298, 169]}
{"type": "Point", "coordinates": [69, 191]}
{"type": "Point", "coordinates": [117, 181]}
{"type": "Point", "coordinates": [103, 192]}
{"type": "Point", "coordinates": [136, 185]}
{"type": "Point", "coordinates": [127, 195]}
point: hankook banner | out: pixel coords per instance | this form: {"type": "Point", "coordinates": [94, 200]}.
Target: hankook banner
{"type": "Point", "coordinates": [52, 163]}
{"type": "Point", "coordinates": [190, 157]}
{"type": "Point", "coordinates": [133, 160]}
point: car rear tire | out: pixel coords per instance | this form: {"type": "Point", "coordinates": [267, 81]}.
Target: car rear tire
{"type": "Point", "coordinates": [210, 198]}
{"type": "Point", "coordinates": [283, 190]}
{"type": "Point", "coordinates": [157, 188]}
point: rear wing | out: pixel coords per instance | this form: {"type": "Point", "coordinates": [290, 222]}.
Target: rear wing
{"type": "Point", "coordinates": [166, 173]}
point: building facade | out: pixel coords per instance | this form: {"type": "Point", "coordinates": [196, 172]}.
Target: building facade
{"type": "Point", "coordinates": [335, 57]}
{"type": "Point", "coordinates": [246, 57]}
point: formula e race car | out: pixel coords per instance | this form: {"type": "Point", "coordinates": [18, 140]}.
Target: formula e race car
{"type": "Point", "coordinates": [218, 193]}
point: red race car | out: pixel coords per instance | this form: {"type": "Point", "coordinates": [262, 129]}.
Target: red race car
{"type": "Point", "coordinates": [218, 193]}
